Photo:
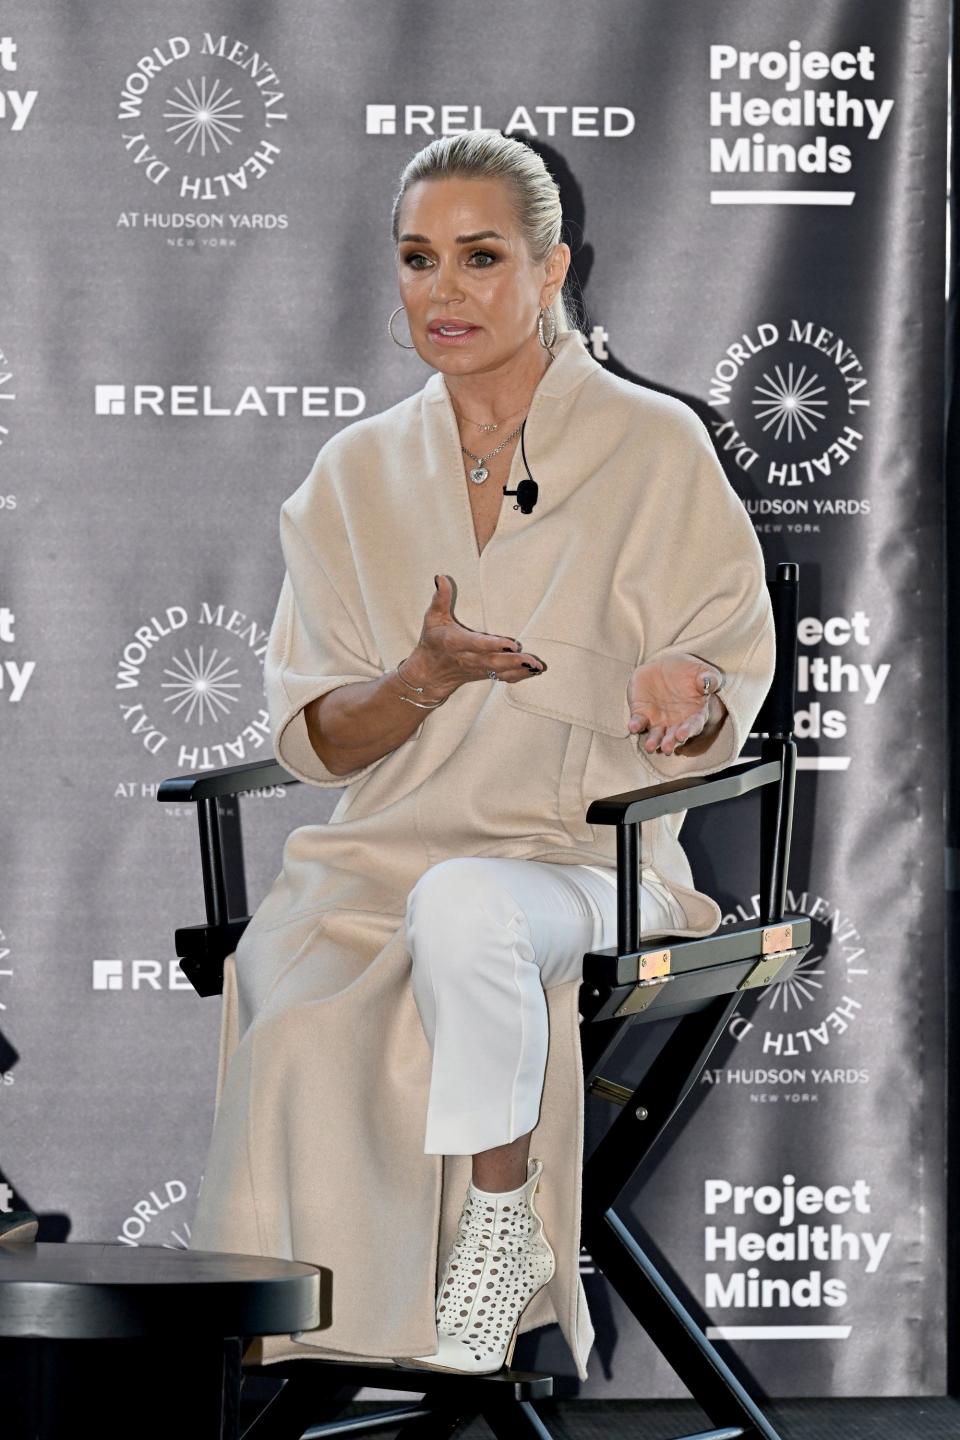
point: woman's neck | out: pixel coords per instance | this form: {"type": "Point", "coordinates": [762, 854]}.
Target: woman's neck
{"type": "Point", "coordinates": [487, 397]}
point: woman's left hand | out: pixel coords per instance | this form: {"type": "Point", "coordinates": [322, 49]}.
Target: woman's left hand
{"type": "Point", "coordinates": [668, 698]}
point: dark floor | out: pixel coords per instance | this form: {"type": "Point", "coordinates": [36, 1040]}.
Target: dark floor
{"type": "Point", "coordinates": [930, 1419]}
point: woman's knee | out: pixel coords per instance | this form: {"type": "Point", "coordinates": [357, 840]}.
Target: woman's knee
{"type": "Point", "coordinates": [453, 901]}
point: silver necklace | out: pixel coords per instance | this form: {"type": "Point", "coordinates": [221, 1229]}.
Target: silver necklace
{"type": "Point", "coordinates": [481, 472]}
{"type": "Point", "coordinates": [487, 426]}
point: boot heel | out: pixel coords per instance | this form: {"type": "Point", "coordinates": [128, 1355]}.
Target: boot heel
{"type": "Point", "coordinates": [508, 1357]}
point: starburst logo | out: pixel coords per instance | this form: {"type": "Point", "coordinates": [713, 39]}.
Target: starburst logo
{"type": "Point", "coordinates": [210, 118]}
{"type": "Point", "coordinates": [789, 402]}
{"type": "Point", "coordinates": [201, 687]}
{"type": "Point", "coordinates": [799, 988]}
{"type": "Point", "coordinates": [202, 115]}
{"type": "Point", "coordinates": [191, 687]}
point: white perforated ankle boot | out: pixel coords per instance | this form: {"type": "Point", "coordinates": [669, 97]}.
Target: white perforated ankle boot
{"type": "Point", "coordinates": [500, 1259]}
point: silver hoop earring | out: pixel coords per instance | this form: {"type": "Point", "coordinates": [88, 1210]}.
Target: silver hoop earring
{"type": "Point", "coordinates": [547, 344]}
{"type": "Point", "coordinates": [392, 336]}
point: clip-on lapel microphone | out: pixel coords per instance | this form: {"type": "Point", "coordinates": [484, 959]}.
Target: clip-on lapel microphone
{"type": "Point", "coordinates": [527, 489]}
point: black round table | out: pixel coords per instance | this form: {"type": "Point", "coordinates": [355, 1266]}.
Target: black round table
{"type": "Point", "coordinates": [138, 1340]}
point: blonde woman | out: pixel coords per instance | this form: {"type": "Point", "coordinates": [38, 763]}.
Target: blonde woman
{"type": "Point", "coordinates": [400, 1086]}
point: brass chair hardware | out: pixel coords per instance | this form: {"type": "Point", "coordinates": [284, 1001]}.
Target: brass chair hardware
{"type": "Point", "coordinates": [777, 938]}
{"type": "Point", "coordinates": [609, 1090]}
{"type": "Point", "coordinates": [766, 969]}
{"type": "Point", "coordinates": [653, 964]}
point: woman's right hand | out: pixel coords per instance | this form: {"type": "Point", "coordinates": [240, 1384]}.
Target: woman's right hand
{"type": "Point", "coordinates": [449, 654]}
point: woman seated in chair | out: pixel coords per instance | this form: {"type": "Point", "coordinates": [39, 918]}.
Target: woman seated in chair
{"type": "Point", "coordinates": [525, 586]}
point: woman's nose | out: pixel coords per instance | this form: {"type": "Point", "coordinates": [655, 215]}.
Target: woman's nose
{"type": "Point", "coordinates": [445, 285]}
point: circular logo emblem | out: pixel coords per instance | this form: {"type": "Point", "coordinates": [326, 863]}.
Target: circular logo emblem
{"type": "Point", "coordinates": [794, 396]}
{"type": "Point", "coordinates": [191, 686]}
{"type": "Point", "coordinates": [201, 114]}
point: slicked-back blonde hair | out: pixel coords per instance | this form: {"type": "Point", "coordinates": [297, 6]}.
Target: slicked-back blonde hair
{"type": "Point", "coordinates": [486, 154]}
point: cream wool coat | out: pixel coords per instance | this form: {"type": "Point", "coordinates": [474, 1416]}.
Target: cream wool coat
{"type": "Point", "coordinates": [638, 545]}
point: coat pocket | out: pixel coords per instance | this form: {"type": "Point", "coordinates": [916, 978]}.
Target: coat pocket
{"type": "Point", "coordinates": [588, 690]}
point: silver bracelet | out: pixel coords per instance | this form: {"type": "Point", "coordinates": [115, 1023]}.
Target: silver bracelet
{"type": "Point", "coordinates": [419, 704]}
{"type": "Point", "coordinates": [418, 689]}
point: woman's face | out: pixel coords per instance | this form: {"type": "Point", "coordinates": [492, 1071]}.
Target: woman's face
{"type": "Point", "coordinates": [461, 258]}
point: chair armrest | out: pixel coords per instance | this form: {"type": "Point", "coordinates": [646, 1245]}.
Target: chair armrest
{"type": "Point", "coordinates": [234, 780]}
{"type": "Point", "coordinates": [673, 795]}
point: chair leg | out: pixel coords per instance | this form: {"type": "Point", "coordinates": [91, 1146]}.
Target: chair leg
{"type": "Point", "coordinates": [672, 1329]}
{"type": "Point", "coordinates": [301, 1404]}
{"type": "Point", "coordinates": [232, 1385]}
{"type": "Point", "coordinates": [516, 1421]}
{"type": "Point", "coordinates": [624, 1149]}
{"type": "Point", "coordinates": [598, 1041]}
{"type": "Point", "coordinates": [442, 1423]}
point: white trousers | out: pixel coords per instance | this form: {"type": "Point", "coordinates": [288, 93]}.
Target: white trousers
{"type": "Point", "coordinates": [487, 935]}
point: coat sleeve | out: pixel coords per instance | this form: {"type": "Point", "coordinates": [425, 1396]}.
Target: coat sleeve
{"type": "Point", "coordinates": [319, 640]}
{"type": "Point", "coordinates": [714, 602]}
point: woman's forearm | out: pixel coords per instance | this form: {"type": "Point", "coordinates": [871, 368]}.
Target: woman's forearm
{"type": "Point", "coordinates": [358, 723]}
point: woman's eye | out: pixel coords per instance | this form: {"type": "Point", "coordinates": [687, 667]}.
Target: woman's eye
{"type": "Point", "coordinates": [416, 255]}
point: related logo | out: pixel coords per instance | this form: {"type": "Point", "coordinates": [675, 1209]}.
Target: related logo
{"type": "Point", "coordinates": [139, 399]}
{"type": "Point", "coordinates": [795, 396]}
{"type": "Point", "coordinates": [191, 686]}
{"type": "Point", "coordinates": [139, 974]}
{"type": "Point", "coordinates": [201, 116]}
{"type": "Point", "coordinates": [596, 122]}
{"type": "Point", "coordinates": [159, 1218]}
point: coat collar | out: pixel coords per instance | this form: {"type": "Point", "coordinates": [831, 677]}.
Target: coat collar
{"type": "Point", "coordinates": [572, 364]}
{"type": "Point", "coordinates": [547, 449]}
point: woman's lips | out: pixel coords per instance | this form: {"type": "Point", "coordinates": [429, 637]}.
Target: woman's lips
{"type": "Point", "coordinates": [441, 339]}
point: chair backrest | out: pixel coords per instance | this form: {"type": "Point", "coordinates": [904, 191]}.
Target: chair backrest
{"type": "Point", "coordinates": [777, 711]}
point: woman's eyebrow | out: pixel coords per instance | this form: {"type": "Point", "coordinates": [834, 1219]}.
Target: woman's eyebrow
{"type": "Point", "coordinates": [460, 240]}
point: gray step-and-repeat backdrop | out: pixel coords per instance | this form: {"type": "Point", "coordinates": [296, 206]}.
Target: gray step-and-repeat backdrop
{"type": "Point", "coordinates": [197, 275]}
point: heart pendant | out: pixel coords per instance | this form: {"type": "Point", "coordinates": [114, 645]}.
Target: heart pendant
{"type": "Point", "coordinates": [478, 476]}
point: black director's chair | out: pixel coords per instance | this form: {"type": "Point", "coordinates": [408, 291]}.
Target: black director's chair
{"type": "Point", "coordinates": [696, 983]}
